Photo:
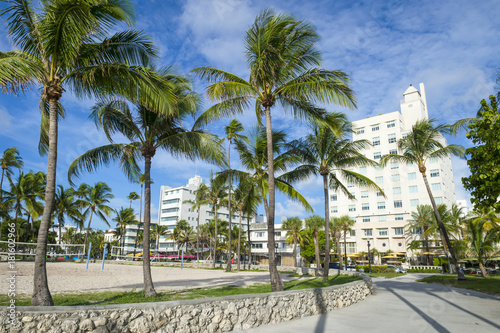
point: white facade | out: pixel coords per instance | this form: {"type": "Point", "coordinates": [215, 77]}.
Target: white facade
{"type": "Point", "coordinates": [383, 219]}
{"type": "Point", "coordinates": [260, 250]}
{"type": "Point", "coordinates": [173, 208]}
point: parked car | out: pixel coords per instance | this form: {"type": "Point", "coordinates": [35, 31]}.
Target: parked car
{"type": "Point", "coordinates": [333, 265]}
{"type": "Point", "coordinates": [398, 269]}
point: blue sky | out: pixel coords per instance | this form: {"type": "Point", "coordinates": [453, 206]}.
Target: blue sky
{"type": "Point", "coordinates": [450, 46]}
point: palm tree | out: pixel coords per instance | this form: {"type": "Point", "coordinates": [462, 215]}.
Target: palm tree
{"type": "Point", "coordinates": [246, 200]}
{"type": "Point", "coordinates": [315, 223]}
{"type": "Point", "coordinates": [423, 219]}
{"type": "Point", "coordinates": [62, 46]}
{"type": "Point", "coordinates": [293, 225]}
{"type": "Point", "coordinates": [66, 205]}
{"type": "Point", "coordinates": [133, 196]}
{"type": "Point", "coordinates": [281, 55]}
{"type": "Point", "coordinates": [214, 194]}
{"type": "Point", "coordinates": [232, 132]}
{"type": "Point", "coordinates": [483, 231]}
{"type": "Point", "coordinates": [335, 228]}
{"type": "Point", "coordinates": [9, 160]}
{"type": "Point", "coordinates": [330, 155]}
{"type": "Point", "coordinates": [183, 234]}
{"type": "Point", "coordinates": [343, 223]}
{"type": "Point", "coordinates": [196, 204]}
{"type": "Point", "coordinates": [94, 200]}
{"type": "Point", "coordinates": [148, 132]}
{"type": "Point", "coordinates": [124, 217]}
{"type": "Point", "coordinates": [157, 231]}
{"type": "Point", "coordinates": [140, 180]}
{"type": "Point", "coordinates": [423, 142]}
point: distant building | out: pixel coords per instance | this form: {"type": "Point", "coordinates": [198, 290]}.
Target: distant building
{"type": "Point", "coordinates": [380, 219]}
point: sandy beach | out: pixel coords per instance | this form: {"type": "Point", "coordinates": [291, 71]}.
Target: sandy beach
{"type": "Point", "coordinates": [67, 277]}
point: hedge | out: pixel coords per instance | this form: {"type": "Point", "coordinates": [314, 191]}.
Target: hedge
{"type": "Point", "coordinates": [376, 269]}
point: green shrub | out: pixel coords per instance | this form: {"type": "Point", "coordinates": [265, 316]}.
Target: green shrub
{"type": "Point", "coordinates": [413, 270]}
{"type": "Point", "coordinates": [376, 269]}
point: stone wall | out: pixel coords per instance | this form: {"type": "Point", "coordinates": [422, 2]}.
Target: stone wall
{"type": "Point", "coordinates": [220, 314]}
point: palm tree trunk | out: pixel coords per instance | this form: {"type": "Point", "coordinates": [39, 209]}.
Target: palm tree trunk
{"type": "Point", "coordinates": [60, 230]}
{"type": "Point", "coordinates": [88, 228]}
{"type": "Point", "coordinates": [229, 248]}
{"type": "Point", "coordinates": [481, 267]}
{"type": "Point", "coordinates": [198, 236]}
{"type": "Point", "coordinates": [316, 250]}
{"type": "Point", "coordinates": [249, 242]}
{"type": "Point", "coordinates": [41, 293]}
{"type": "Point", "coordinates": [276, 283]}
{"type": "Point", "coordinates": [148, 280]}
{"type": "Point", "coordinates": [1, 202]}
{"type": "Point", "coordinates": [239, 242]}
{"type": "Point", "coordinates": [295, 250]}
{"type": "Point", "coordinates": [215, 235]}
{"type": "Point", "coordinates": [140, 220]}
{"type": "Point", "coordinates": [345, 248]}
{"type": "Point", "coordinates": [443, 229]}
{"type": "Point", "coordinates": [339, 250]}
{"type": "Point", "coordinates": [327, 231]}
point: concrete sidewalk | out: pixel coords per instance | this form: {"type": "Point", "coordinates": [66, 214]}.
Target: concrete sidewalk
{"type": "Point", "coordinates": [403, 305]}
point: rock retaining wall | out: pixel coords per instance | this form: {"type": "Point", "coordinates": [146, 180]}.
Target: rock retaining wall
{"type": "Point", "coordinates": [222, 314]}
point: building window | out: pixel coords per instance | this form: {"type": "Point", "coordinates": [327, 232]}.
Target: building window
{"type": "Point", "coordinates": [391, 124]}
{"type": "Point", "coordinates": [398, 231]}
{"type": "Point", "coordinates": [352, 208]}
{"type": "Point", "coordinates": [413, 189]}
{"type": "Point", "coordinates": [335, 209]}
{"type": "Point", "coordinates": [382, 218]}
{"type": "Point", "coordinates": [393, 152]}
{"type": "Point", "coordinates": [400, 244]}
{"type": "Point", "coordinates": [394, 165]}
{"type": "Point", "coordinates": [379, 194]}
{"type": "Point", "coordinates": [436, 186]}
{"type": "Point", "coordinates": [399, 217]}
{"type": "Point", "coordinates": [375, 128]}
{"type": "Point", "coordinates": [169, 218]}
{"type": "Point", "coordinates": [392, 138]}
{"type": "Point", "coordinates": [414, 202]}
{"type": "Point", "coordinates": [384, 244]}
{"type": "Point", "coordinates": [433, 160]}
{"type": "Point", "coordinates": [360, 130]}
{"type": "Point", "coordinates": [435, 173]}
{"type": "Point", "coordinates": [381, 205]}
{"type": "Point", "coordinates": [362, 170]}
{"type": "Point", "coordinates": [376, 141]}
{"type": "Point", "coordinates": [412, 175]}
{"type": "Point", "coordinates": [167, 202]}
{"type": "Point", "coordinates": [351, 247]}
{"type": "Point", "coordinates": [396, 190]}
{"type": "Point", "coordinates": [365, 206]}
{"type": "Point", "coordinates": [398, 204]}
{"type": "Point", "coordinates": [170, 210]}
{"type": "Point", "coordinates": [366, 219]}
{"type": "Point", "coordinates": [395, 178]}
{"type": "Point", "coordinates": [257, 246]}
{"type": "Point", "coordinates": [364, 194]}
{"type": "Point", "coordinates": [259, 234]}
{"type": "Point", "coordinates": [353, 233]}
{"type": "Point", "coordinates": [382, 232]}
{"type": "Point", "coordinates": [438, 200]}
{"type": "Point", "coordinates": [368, 232]}
{"type": "Point", "coordinates": [350, 184]}
{"type": "Point", "coordinates": [333, 197]}
{"type": "Point", "coordinates": [417, 230]}
{"type": "Point", "coordinates": [379, 180]}
{"type": "Point", "coordinates": [377, 156]}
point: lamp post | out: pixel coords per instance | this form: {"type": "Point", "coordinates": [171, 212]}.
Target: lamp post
{"type": "Point", "coordinates": [276, 252]}
{"type": "Point", "coordinates": [369, 257]}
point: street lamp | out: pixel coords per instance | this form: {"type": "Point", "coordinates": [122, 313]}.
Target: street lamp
{"type": "Point", "coordinates": [276, 253]}
{"type": "Point", "coordinates": [369, 257]}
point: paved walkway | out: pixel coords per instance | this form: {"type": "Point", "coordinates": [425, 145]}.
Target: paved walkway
{"type": "Point", "coordinates": [403, 305]}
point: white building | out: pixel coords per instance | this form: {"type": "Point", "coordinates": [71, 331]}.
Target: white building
{"type": "Point", "coordinates": [260, 250]}
{"type": "Point", "coordinates": [173, 208]}
{"type": "Point", "coordinates": [383, 219]}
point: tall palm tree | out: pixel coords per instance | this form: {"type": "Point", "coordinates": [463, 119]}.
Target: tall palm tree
{"type": "Point", "coordinates": [423, 142]}
{"type": "Point", "coordinates": [157, 231]}
{"type": "Point", "coordinates": [124, 217]}
{"type": "Point", "coordinates": [330, 155]}
{"type": "Point", "coordinates": [422, 218]}
{"type": "Point", "coordinates": [213, 194]}
{"type": "Point", "coordinates": [232, 133]}
{"type": "Point", "coordinates": [335, 228]}
{"type": "Point", "coordinates": [9, 160]}
{"type": "Point", "coordinates": [66, 205]}
{"type": "Point", "coordinates": [281, 56]}
{"type": "Point", "coordinates": [133, 196]}
{"type": "Point", "coordinates": [293, 225]}
{"type": "Point", "coordinates": [140, 180]}
{"type": "Point", "coordinates": [316, 223]}
{"type": "Point", "coordinates": [62, 46]}
{"type": "Point", "coordinates": [343, 224]}
{"type": "Point", "coordinates": [147, 132]}
{"type": "Point", "coordinates": [482, 232]}
{"type": "Point", "coordinates": [196, 204]}
{"type": "Point", "coordinates": [94, 200]}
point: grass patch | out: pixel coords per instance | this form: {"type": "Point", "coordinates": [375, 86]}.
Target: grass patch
{"type": "Point", "coordinates": [386, 275]}
{"type": "Point", "coordinates": [490, 285]}
{"type": "Point", "coordinates": [113, 297]}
